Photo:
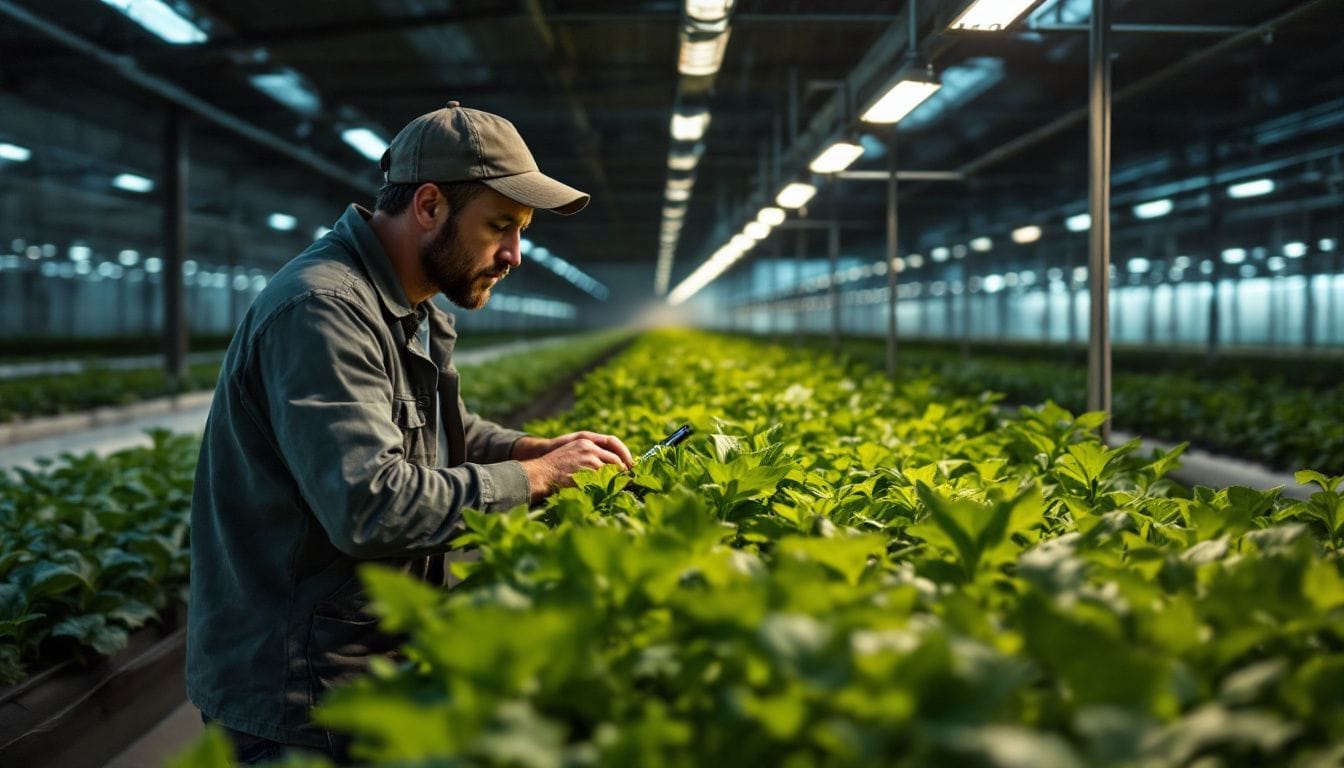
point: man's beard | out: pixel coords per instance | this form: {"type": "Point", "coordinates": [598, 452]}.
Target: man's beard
{"type": "Point", "coordinates": [448, 266]}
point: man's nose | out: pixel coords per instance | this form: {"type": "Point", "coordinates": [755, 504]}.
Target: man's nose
{"type": "Point", "coordinates": [512, 252]}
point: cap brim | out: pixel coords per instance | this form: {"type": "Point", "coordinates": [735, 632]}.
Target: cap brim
{"type": "Point", "coordinates": [537, 190]}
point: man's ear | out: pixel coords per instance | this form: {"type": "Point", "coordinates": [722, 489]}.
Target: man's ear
{"type": "Point", "coordinates": [427, 205]}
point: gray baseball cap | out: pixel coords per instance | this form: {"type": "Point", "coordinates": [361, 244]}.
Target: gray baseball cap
{"type": "Point", "coordinates": [460, 144]}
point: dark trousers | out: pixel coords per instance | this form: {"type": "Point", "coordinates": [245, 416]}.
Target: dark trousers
{"type": "Point", "coordinates": [251, 750]}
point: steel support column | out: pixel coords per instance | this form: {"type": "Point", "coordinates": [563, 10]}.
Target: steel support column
{"type": "Point", "coordinates": [175, 166]}
{"type": "Point", "coordinates": [833, 250]}
{"type": "Point", "coordinates": [892, 252]}
{"type": "Point", "coordinates": [798, 256]}
{"type": "Point", "coordinates": [1099, 193]}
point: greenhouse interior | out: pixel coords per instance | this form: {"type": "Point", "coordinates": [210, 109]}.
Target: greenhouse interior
{"type": "Point", "coordinates": [924, 383]}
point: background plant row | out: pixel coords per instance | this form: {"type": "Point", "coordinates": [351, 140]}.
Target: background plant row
{"type": "Point", "coordinates": [93, 388]}
{"type": "Point", "coordinates": [1258, 408]}
{"type": "Point", "coordinates": [92, 548]}
{"type": "Point", "coordinates": [836, 571]}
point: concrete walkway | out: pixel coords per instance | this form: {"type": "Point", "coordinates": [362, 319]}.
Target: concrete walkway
{"type": "Point", "coordinates": [107, 430]}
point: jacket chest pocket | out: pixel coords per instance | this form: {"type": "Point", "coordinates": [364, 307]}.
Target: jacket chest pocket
{"type": "Point", "coordinates": [410, 418]}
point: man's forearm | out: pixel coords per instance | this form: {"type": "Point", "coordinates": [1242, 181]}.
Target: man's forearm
{"type": "Point", "coordinates": [528, 447]}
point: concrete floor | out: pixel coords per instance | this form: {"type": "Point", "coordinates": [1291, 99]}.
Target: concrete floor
{"type": "Point", "coordinates": [173, 734]}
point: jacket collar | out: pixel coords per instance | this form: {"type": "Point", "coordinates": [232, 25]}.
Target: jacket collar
{"type": "Point", "coordinates": [353, 227]}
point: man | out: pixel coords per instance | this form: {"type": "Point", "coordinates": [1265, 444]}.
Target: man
{"type": "Point", "coordinates": [337, 435]}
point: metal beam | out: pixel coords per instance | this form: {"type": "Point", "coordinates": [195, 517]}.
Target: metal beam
{"type": "Point", "coordinates": [893, 178]}
{"type": "Point", "coordinates": [174, 191]}
{"type": "Point", "coordinates": [560, 51]}
{"type": "Point", "coordinates": [1099, 194]}
{"type": "Point", "coordinates": [1148, 29]}
{"type": "Point", "coordinates": [461, 17]}
{"type": "Point", "coordinates": [127, 68]}
{"type": "Point", "coordinates": [901, 175]}
{"type": "Point", "coordinates": [1212, 53]}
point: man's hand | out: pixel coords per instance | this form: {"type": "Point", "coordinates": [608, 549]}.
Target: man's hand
{"type": "Point", "coordinates": [551, 463]}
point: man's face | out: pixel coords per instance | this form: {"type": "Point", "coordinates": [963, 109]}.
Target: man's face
{"type": "Point", "coordinates": [475, 248]}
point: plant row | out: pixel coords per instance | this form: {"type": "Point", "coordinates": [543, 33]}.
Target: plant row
{"type": "Point", "coordinates": [95, 387]}
{"type": "Point", "coordinates": [836, 571]}
{"type": "Point", "coordinates": [92, 548]}
{"type": "Point", "coordinates": [1254, 414]}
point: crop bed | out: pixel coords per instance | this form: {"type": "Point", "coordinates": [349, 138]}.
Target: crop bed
{"type": "Point", "coordinates": [1266, 409]}
{"type": "Point", "coordinates": [836, 572]}
{"type": "Point", "coordinates": [92, 548]}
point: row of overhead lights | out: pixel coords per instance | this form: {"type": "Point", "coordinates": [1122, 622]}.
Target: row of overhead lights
{"type": "Point", "coordinates": [575, 276]}
{"type": "Point", "coordinates": [987, 285]}
{"type": "Point", "coordinates": [1135, 267]}
{"type": "Point", "coordinates": [292, 89]}
{"type": "Point", "coordinates": [129, 266]}
{"type": "Point", "coordinates": [175, 24]}
{"type": "Point", "coordinates": [840, 155]}
{"type": "Point", "coordinates": [135, 183]}
{"type": "Point", "coordinates": [284, 222]}
{"type": "Point", "coordinates": [703, 39]}
{"type": "Point", "coordinates": [907, 89]}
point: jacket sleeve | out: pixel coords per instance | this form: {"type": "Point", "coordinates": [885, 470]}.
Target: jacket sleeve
{"type": "Point", "coordinates": [329, 401]}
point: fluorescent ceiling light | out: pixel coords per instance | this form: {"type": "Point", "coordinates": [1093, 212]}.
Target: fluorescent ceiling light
{"type": "Point", "coordinates": [836, 157]}
{"type": "Point", "coordinates": [708, 10]}
{"type": "Point", "coordinates": [282, 222]}
{"type": "Point", "coordinates": [795, 195]}
{"type": "Point", "coordinates": [701, 57]}
{"type": "Point", "coordinates": [670, 212]}
{"type": "Point", "coordinates": [1295, 250]}
{"type": "Point", "coordinates": [1027, 234]}
{"type": "Point", "coordinates": [1234, 255]}
{"type": "Point", "coordinates": [682, 162]}
{"type": "Point", "coordinates": [1079, 223]}
{"type": "Point", "coordinates": [1251, 188]}
{"type": "Point", "coordinates": [915, 261]}
{"type": "Point", "coordinates": [981, 244]}
{"type": "Point", "coordinates": [899, 101]}
{"type": "Point", "coordinates": [685, 183]}
{"type": "Point", "coordinates": [756, 230]}
{"type": "Point", "coordinates": [365, 142]}
{"type": "Point", "coordinates": [159, 18]}
{"type": "Point", "coordinates": [80, 252]}
{"type": "Point", "coordinates": [1153, 208]}
{"type": "Point", "coordinates": [1327, 244]}
{"type": "Point", "coordinates": [990, 15]}
{"type": "Point", "coordinates": [678, 195]}
{"type": "Point", "coordinates": [771, 216]}
{"type": "Point", "coordinates": [689, 127]}
{"type": "Point", "coordinates": [940, 253]}
{"type": "Point", "coordinates": [741, 243]}
{"type": "Point", "coordinates": [14, 152]}
{"type": "Point", "coordinates": [133, 183]}
{"type": "Point", "coordinates": [128, 257]}
{"type": "Point", "coordinates": [1138, 265]}
{"type": "Point", "coordinates": [289, 88]}
{"type": "Point", "coordinates": [1276, 263]}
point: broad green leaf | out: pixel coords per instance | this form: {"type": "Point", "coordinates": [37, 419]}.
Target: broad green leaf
{"type": "Point", "coordinates": [94, 631]}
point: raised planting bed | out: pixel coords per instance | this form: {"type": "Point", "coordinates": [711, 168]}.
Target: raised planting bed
{"type": "Point", "coordinates": [838, 571]}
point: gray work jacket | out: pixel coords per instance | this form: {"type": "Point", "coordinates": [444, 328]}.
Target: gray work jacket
{"type": "Point", "coordinates": [319, 454]}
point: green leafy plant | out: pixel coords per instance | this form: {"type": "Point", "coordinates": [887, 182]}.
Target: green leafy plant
{"type": "Point", "coordinates": [840, 571]}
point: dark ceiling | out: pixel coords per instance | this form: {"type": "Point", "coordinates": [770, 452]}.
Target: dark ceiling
{"type": "Point", "coordinates": [592, 87]}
